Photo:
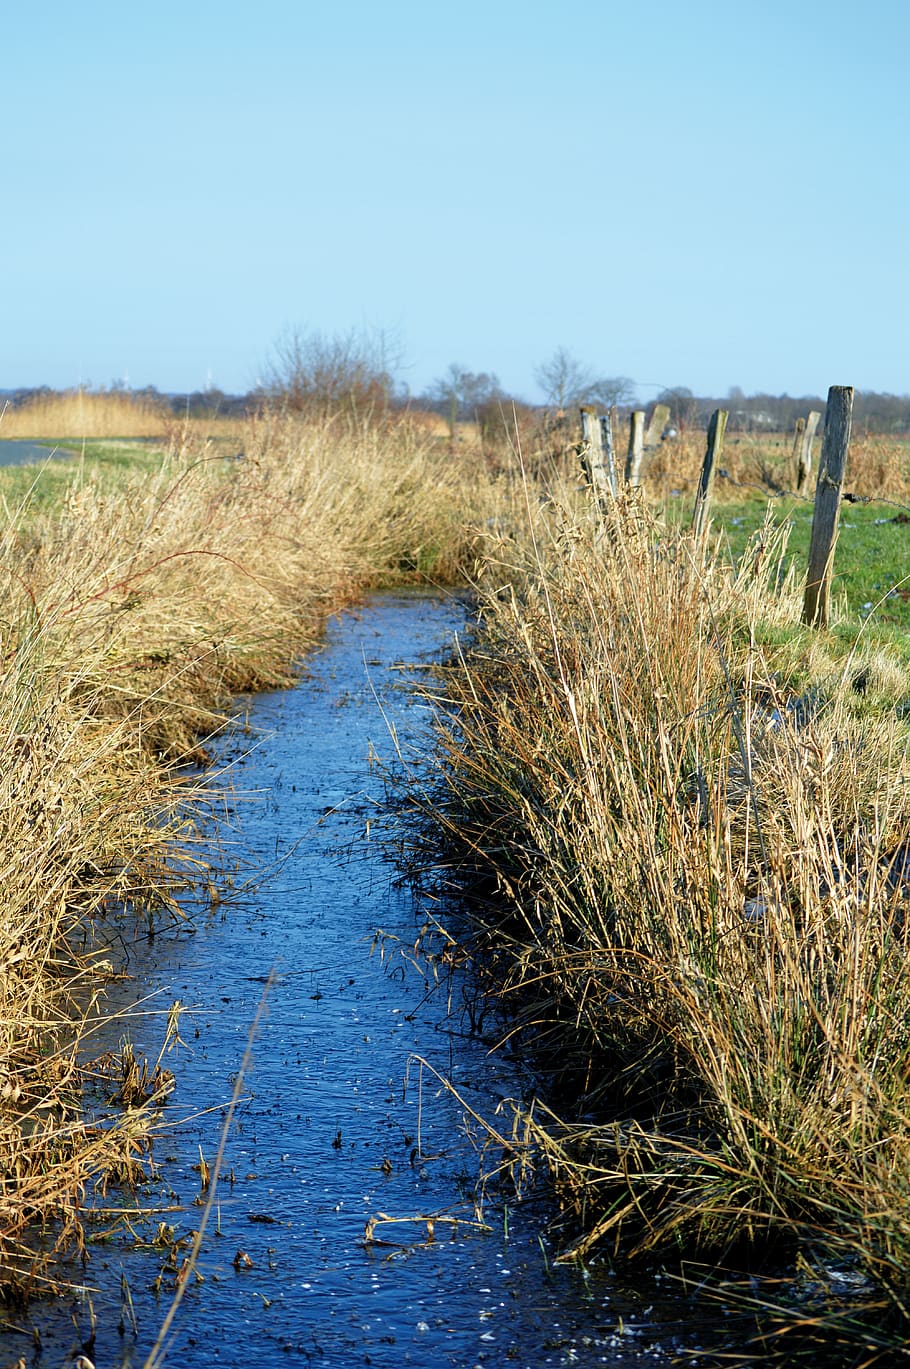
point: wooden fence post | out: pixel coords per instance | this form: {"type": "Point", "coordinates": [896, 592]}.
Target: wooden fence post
{"type": "Point", "coordinates": [592, 454]}
{"type": "Point", "coordinates": [636, 447]}
{"type": "Point", "coordinates": [606, 432]}
{"type": "Point", "coordinates": [798, 432]}
{"type": "Point", "coordinates": [835, 444]}
{"type": "Point", "coordinates": [802, 449]}
{"type": "Point", "coordinates": [715, 445]}
{"type": "Point", "coordinates": [659, 420]}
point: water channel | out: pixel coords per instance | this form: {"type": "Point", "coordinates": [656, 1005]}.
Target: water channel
{"type": "Point", "coordinates": [337, 1124]}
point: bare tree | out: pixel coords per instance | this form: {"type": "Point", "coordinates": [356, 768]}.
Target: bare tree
{"type": "Point", "coordinates": [610, 391]}
{"type": "Point", "coordinates": [682, 404]}
{"type": "Point", "coordinates": [462, 394]}
{"type": "Point", "coordinates": [322, 374]}
{"type": "Point", "coordinates": [563, 379]}
{"type": "Point", "coordinates": [567, 383]}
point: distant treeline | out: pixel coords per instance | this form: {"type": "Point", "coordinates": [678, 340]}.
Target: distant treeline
{"type": "Point", "coordinates": [873, 412]}
{"type": "Point", "coordinates": [464, 396]}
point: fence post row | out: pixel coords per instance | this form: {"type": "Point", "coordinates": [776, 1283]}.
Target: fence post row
{"type": "Point", "coordinates": [598, 460]}
{"type": "Point", "coordinates": [835, 444]}
{"type": "Point", "coordinates": [715, 446]}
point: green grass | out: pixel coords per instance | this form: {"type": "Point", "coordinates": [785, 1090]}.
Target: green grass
{"type": "Point", "coordinates": [107, 463]}
{"type": "Point", "coordinates": [871, 578]}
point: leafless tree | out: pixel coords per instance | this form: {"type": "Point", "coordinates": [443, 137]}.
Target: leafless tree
{"type": "Point", "coordinates": [318, 373]}
{"type": "Point", "coordinates": [567, 383]}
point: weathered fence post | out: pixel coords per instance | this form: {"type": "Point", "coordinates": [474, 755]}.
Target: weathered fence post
{"type": "Point", "coordinates": [806, 429]}
{"type": "Point", "coordinates": [606, 432]}
{"type": "Point", "coordinates": [659, 420]}
{"type": "Point", "coordinates": [798, 432]}
{"type": "Point", "coordinates": [715, 445]}
{"type": "Point", "coordinates": [592, 454]}
{"type": "Point", "coordinates": [835, 444]}
{"type": "Point", "coordinates": [636, 447]}
{"type": "Point", "coordinates": [592, 444]}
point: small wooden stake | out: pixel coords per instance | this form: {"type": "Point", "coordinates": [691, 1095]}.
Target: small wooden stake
{"type": "Point", "coordinates": [636, 447]}
{"type": "Point", "coordinates": [798, 432]}
{"type": "Point", "coordinates": [715, 445]}
{"type": "Point", "coordinates": [592, 444]}
{"type": "Point", "coordinates": [835, 445]}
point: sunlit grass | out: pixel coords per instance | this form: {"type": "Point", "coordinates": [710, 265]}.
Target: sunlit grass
{"type": "Point", "coordinates": [139, 591]}
{"type": "Point", "coordinates": [687, 854]}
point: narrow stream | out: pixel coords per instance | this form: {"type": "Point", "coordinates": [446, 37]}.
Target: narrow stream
{"type": "Point", "coordinates": [335, 1126]}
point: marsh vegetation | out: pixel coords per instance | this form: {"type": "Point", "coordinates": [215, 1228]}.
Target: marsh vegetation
{"type": "Point", "coordinates": [681, 820]}
{"type": "Point", "coordinates": [134, 602]}
{"type": "Point", "coordinates": [681, 824]}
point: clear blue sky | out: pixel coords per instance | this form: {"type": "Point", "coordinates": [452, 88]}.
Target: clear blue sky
{"type": "Point", "coordinates": [696, 192]}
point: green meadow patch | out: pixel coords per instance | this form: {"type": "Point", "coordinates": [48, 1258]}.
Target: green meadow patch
{"type": "Point", "coordinates": [871, 582]}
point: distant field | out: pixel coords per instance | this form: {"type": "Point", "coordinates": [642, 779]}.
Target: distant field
{"type": "Point", "coordinates": [114, 434]}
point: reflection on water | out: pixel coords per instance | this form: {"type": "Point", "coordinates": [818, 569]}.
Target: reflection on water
{"type": "Point", "coordinates": [335, 1128]}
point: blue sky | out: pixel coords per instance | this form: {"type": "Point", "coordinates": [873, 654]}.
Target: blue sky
{"type": "Point", "coordinates": [703, 193]}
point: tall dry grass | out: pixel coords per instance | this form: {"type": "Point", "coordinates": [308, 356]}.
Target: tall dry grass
{"type": "Point", "coordinates": [692, 889]}
{"type": "Point", "coordinates": [85, 414]}
{"type": "Point", "coordinates": [127, 621]}
{"type": "Point", "coordinates": [91, 415]}
{"type": "Point", "coordinates": [879, 465]}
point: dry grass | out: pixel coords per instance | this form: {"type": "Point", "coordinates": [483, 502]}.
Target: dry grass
{"type": "Point", "coordinates": [879, 466]}
{"type": "Point", "coordinates": [86, 415]}
{"type": "Point", "coordinates": [692, 886]}
{"type": "Point", "coordinates": [127, 621]}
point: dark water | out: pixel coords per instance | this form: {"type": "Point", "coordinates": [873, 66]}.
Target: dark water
{"type": "Point", "coordinates": [28, 453]}
{"type": "Point", "coordinates": [336, 1126]}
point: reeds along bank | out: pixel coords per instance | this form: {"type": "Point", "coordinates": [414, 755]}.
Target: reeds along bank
{"type": "Point", "coordinates": [128, 618]}
{"type": "Point", "coordinates": [699, 911]}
